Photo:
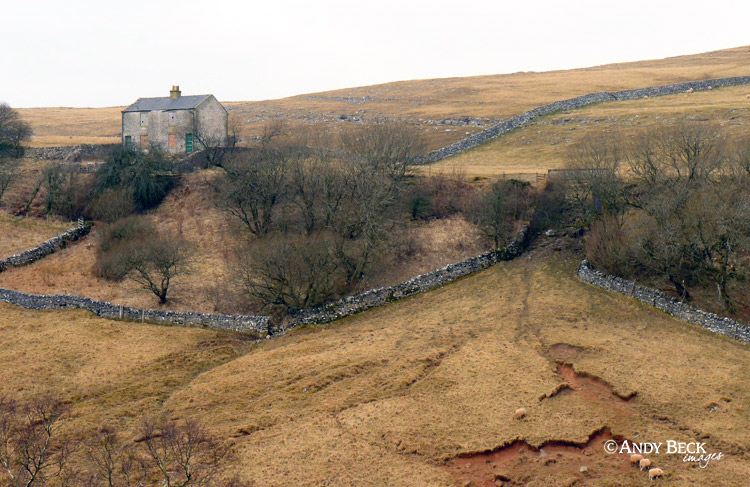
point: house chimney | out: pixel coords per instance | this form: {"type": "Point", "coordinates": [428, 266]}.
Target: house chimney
{"type": "Point", "coordinates": [175, 92]}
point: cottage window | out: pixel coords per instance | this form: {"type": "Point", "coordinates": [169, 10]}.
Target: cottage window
{"type": "Point", "coordinates": [189, 143]}
{"type": "Point", "coordinates": [144, 141]}
{"type": "Point", "coordinates": [128, 140]}
{"type": "Point", "coordinates": [172, 140]}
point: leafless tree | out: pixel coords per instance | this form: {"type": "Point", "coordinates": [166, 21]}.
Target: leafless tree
{"type": "Point", "coordinates": [30, 197]}
{"type": "Point", "coordinates": [388, 147]}
{"type": "Point", "coordinates": [291, 272]}
{"type": "Point", "coordinates": [255, 185]}
{"type": "Point", "coordinates": [110, 462]}
{"type": "Point", "coordinates": [13, 131]}
{"type": "Point", "coordinates": [156, 261]}
{"type": "Point", "coordinates": [8, 174]}
{"type": "Point", "coordinates": [594, 174]}
{"type": "Point", "coordinates": [31, 453]}
{"type": "Point", "coordinates": [182, 453]}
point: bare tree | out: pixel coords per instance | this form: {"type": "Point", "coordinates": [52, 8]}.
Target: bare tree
{"type": "Point", "coordinates": [594, 174]}
{"type": "Point", "coordinates": [285, 273]}
{"type": "Point", "coordinates": [8, 174]}
{"type": "Point", "coordinates": [111, 462]}
{"type": "Point", "coordinates": [255, 185]}
{"type": "Point", "coordinates": [13, 132]}
{"type": "Point", "coordinates": [155, 262]}
{"type": "Point", "coordinates": [388, 147]}
{"type": "Point", "coordinates": [31, 453]}
{"type": "Point", "coordinates": [182, 453]}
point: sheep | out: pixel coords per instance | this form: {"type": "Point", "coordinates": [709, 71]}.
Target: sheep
{"type": "Point", "coordinates": [635, 458]}
{"type": "Point", "coordinates": [520, 413]}
{"type": "Point", "coordinates": [710, 87]}
{"type": "Point", "coordinates": [644, 463]}
{"type": "Point", "coordinates": [655, 473]}
{"type": "Point", "coordinates": [689, 91]}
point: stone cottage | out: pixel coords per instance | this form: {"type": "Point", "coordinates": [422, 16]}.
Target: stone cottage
{"type": "Point", "coordinates": [178, 124]}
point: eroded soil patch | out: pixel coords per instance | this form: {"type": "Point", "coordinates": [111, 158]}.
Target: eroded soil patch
{"type": "Point", "coordinates": [563, 352]}
{"type": "Point", "coordinates": [592, 387]}
{"type": "Point", "coordinates": [519, 463]}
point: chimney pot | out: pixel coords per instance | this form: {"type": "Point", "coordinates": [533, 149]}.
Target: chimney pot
{"type": "Point", "coordinates": [175, 92]}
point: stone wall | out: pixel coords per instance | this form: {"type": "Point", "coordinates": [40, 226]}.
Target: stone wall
{"type": "Point", "coordinates": [652, 297]}
{"type": "Point", "coordinates": [419, 284]}
{"type": "Point", "coordinates": [521, 120]}
{"type": "Point", "coordinates": [44, 249]}
{"type": "Point", "coordinates": [251, 324]}
{"type": "Point", "coordinates": [73, 153]}
{"type": "Point", "coordinates": [259, 325]}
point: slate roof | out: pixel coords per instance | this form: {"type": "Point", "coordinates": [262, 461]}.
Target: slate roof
{"type": "Point", "coordinates": [166, 103]}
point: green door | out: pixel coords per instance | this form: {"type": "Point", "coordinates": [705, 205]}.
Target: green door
{"type": "Point", "coordinates": [189, 143]}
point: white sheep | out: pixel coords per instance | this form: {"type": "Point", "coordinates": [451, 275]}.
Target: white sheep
{"type": "Point", "coordinates": [644, 463]}
{"type": "Point", "coordinates": [655, 473]}
{"type": "Point", "coordinates": [520, 413]}
{"type": "Point", "coordinates": [635, 458]}
{"type": "Point", "coordinates": [689, 91]}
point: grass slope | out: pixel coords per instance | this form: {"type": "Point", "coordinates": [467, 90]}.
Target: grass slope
{"type": "Point", "coordinates": [419, 101]}
{"type": "Point", "coordinates": [389, 396]}
{"type": "Point", "coordinates": [542, 145]}
{"type": "Point", "coordinates": [18, 234]}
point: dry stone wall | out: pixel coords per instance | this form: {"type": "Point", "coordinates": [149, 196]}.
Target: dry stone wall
{"type": "Point", "coordinates": [70, 153]}
{"type": "Point", "coordinates": [44, 249]}
{"type": "Point", "coordinates": [652, 297]}
{"type": "Point", "coordinates": [259, 325]}
{"type": "Point", "coordinates": [249, 324]}
{"type": "Point", "coordinates": [580, 101]}
{"type": "Point", "coordinates": [424, 282]}
{"type": "Point", "coordinates": [253, 324]}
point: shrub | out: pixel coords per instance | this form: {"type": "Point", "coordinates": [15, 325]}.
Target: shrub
{"type": "Point", "coordinates": [140, 173]}
{"type": "Point", "coordinates": [111, 205]}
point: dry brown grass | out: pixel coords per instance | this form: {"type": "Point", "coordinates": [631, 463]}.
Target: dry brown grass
{"type": "Point", "coordinates": [187, 212]}
{"type": "Point", "coordinates": [106, 370]}
{"type": "Point", "coordinates": [18, 234]}
{"type": "Point", "coordinates": [71, 126]}
{"type": "Point", "coordinates": [543, 144]}
{"type": "Point", "coordinates": [493, 96]}
{"type": "Point", "coordinates": [385, 397]}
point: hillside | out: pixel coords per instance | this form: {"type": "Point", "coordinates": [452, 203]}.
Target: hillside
{"type": "Point", "coordinates": [413, 393]}
{"type": "Point", "coordinates": [444, 108]}
{"type": "Point", "coordinates": [421, 391]}
{"type": "Point", "coordinates": [544, 142]}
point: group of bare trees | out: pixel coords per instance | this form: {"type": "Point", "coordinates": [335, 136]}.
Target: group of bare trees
{"type": "Point", "coordinates": [318, 206]}
{"type": "Point", "coordinates": [672, 203]}
{"type": "Point", "coordinates": [36, 451]}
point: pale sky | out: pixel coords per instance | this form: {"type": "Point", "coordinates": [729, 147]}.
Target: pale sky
{"type": "Point", "coordinates": [103, 53]}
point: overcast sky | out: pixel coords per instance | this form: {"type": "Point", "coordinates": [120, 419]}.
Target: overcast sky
{"type": "Point", "coordinates": [104, 53]}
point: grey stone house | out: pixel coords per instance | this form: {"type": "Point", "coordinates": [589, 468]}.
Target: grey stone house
{"type": "Point", "coordinates": [178, 124]}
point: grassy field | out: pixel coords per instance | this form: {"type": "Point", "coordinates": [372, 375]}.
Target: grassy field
{"type": "Point", "coordinates": [543, 144]}
{"type": "Point", "coordinates": [18, 234]}
{"type": "Point", "coordinates": [416, 392]}
{"type": "Point", "coordinates": [63, 126]}
{"type": "Point", "coordinates": [425, 103]}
